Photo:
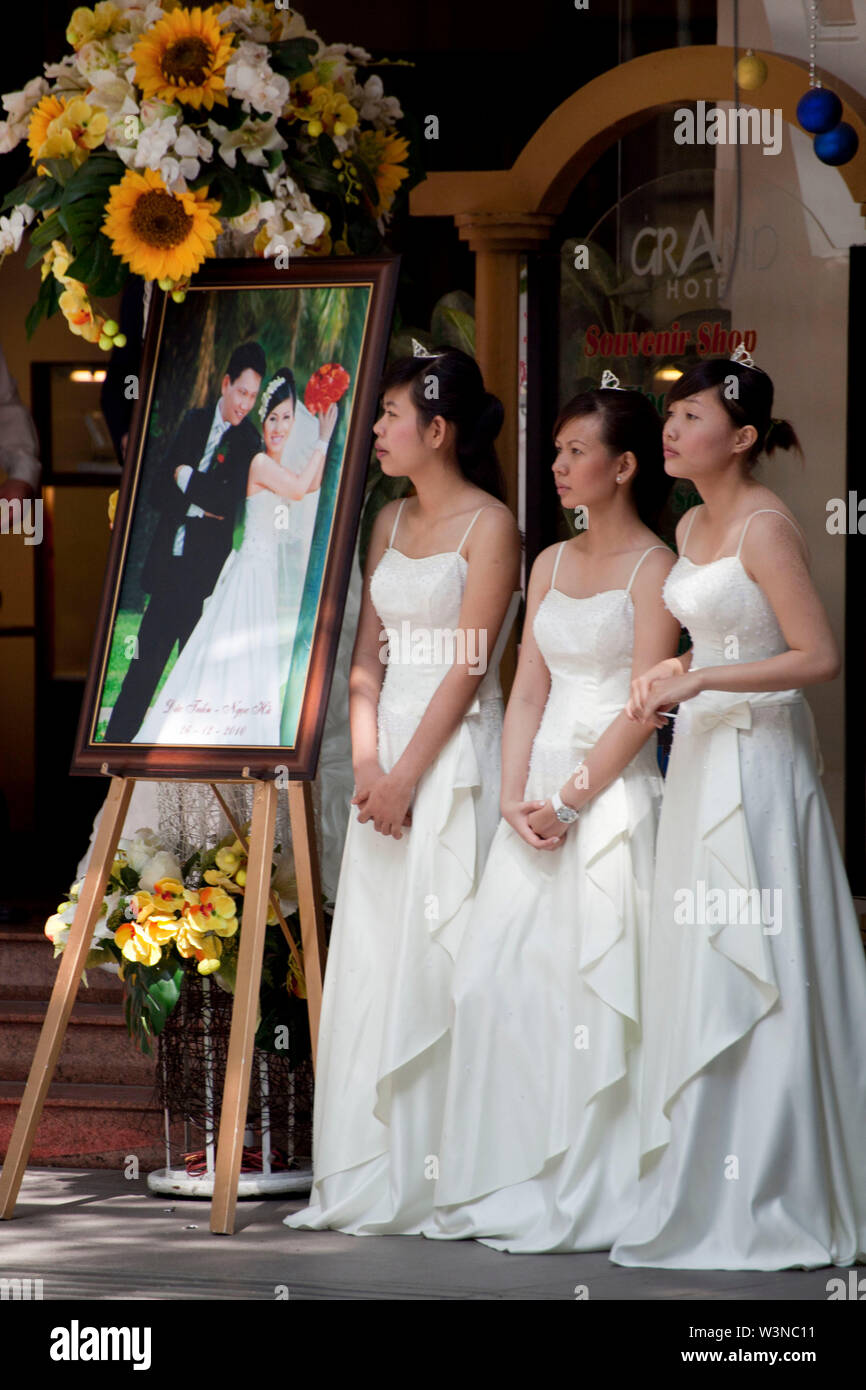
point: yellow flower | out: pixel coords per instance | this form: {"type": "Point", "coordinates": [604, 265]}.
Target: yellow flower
{"type": "Point", "coordinates": [73, 133]}
{"type": "Point", "coordinates": [321, 105]}
{"type": "Point", "coordinates": [383, 155]}
{"type": "Point", "coordinates": [86, 25]}
{"type": "Point", "coordinates": [43, 113]}
{"type": "Point", "coordinates": [183, 57]}
{"type": "Point", "coordinates": [169, 892]}
{"type": "Point", "coordinates": [228, 859]}
{"type": "Point", "coordinates": [112, 507]}
{"type": "Point", "coordinates": [161, 235]}
{"type": "Point", "coordinates": [143, 942]}
{"type": "Point", "coordinates": [201, 946]}
{"type": "Point", "coordinates": [76, 309]}
{"type": "Point", "coordinates": [215, 911]}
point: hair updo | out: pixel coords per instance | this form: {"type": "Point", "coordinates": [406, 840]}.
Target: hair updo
{"type": "Point", "coordinates": [752, 404]}
{"type": "Point", "coordinates": [272, 396]}
{"type": "Point", "coordinates": [629, 423]}
{"type": "Point", "coordinates": [459, 397]}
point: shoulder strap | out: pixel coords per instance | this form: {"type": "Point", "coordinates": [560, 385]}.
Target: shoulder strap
{"type": "Point", "coordinates": [396, 520]}
{"type": "Point", "coordinates": [774, 511]}
{"type": "Point", "coordinates": [469, 528]}
{"type": "Point", "coordinates": [695, 511]}
{"type": "Point", "coordinates": [556, 564]}
{"type": "Point", "coordinates": [640, 562]}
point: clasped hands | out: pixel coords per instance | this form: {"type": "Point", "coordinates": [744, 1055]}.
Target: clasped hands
{"type": "Point", "coordinates": [383, 798]}
{"type": "Point", "coordinates": [659, 689]}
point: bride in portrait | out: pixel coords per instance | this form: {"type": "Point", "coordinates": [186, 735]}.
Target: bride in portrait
{"type": "Point", "coordinates": [225, 687]}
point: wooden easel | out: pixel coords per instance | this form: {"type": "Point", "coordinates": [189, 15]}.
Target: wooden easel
{"type": "Point", "coordinates": [240, 1054]}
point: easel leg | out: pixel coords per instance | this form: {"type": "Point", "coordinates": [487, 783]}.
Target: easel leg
{"type": "Point", "coordinates": [309, 901]}
{"type": "Point", "coordinates": [236, 1091]}
{"type": "Point", "coordinates": [64, 992]}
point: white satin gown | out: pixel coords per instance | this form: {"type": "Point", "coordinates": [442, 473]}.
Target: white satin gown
{"type": "Point", "coordinates": [401, 909]}
{"type": "Point", "coordinates": [540, 1143]}
{"type": "Point", "coordinates": [753, 1128]}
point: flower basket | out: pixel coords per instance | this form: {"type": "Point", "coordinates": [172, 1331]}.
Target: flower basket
{"type": "Point", "coordinates": [170, 134]}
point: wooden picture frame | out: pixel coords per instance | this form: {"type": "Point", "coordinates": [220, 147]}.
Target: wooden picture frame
{"type": "Point", "coordinates": [186, 351]}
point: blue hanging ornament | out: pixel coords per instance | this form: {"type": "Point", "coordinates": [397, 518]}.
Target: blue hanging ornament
{"type": "Point", "coordinates": [837, 146]}
{"type": "Point", "coordinates": [819, 110]}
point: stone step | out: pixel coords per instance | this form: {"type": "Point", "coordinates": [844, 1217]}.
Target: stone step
{"type": "Point", "coordinates": [96, 1047]}
{"type": "Point", "coordinates": [28, 969]}
{"type": "Point", "coordinates": [90, 1126]}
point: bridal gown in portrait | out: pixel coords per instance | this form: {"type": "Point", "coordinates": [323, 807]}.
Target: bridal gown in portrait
{"type": "Point", "coordinates": [401, 909]}
{"type": "Point", "coordinates": [539, 1150]}
{"type": "Point", "coordinates": [754, 1091]}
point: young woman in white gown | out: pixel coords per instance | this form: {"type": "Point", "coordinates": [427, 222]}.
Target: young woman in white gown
{"type": "Point", "coordinates": [754, 1091]}
{"type": "Point", "coordinates": [539, 1150]}
{"type": "Point", "coordinates": [426, 720]}
{"type": "Point", "coordinates": [225, 685]}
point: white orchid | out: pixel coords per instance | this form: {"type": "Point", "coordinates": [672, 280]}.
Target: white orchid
{"type": "Point", "coordinates": [254, 138]}
{"type": "Point", "coordinates": [375, 108]}
{"type": "Point", "coordinates": [20, 104]}
{"type": "Point", "coordinates": [250, 78]}
{"type": "Point", "coordinates": [258, 211]}
{"type": "Point", "coordinates": [142, 847]}
{"type": "Point", "coordinates": [161, 865]}
{"type": "Point", "coordinates": [12, 227]}
{"type": "Point", "coordinates": [65, 74]}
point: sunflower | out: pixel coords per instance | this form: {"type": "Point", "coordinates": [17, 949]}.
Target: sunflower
{"type": "Point", "coordinates": [383, 155]}
{"type": "Point", "coordinates": [184, 58]}
{"type": "Point", "coordinates": [160, 235]}
{"type": "Point", "coordinates": [43, 113]}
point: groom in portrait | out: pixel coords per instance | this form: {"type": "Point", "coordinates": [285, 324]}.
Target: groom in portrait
{"type": "Point", "coordinates": [199, 486]}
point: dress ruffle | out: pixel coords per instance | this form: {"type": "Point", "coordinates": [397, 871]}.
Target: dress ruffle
{"type": "Point", "coordinates": [722, 1009]}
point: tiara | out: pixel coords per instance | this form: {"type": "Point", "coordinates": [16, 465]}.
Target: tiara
{"type": "Point", "coordinates": [743, 357]}
{"type": "Point", "coordinates": [610, 382]}
{"type": "Point", "coordinates": [271, 388]}
{"type": "Point", "coordinates": [419, 350]}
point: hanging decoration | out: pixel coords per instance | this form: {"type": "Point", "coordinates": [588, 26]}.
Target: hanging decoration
{"type": "Point", "coordinates": [819, 111]}
{"type": "Point", "coordinates": [751, 71]}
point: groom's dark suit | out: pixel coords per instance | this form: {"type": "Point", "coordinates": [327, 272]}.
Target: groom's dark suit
{"type": "Point", "coordinates": [179, 584]}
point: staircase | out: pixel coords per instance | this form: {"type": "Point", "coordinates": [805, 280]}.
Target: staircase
{"type": "Point", "coordinates": [101, 1107]}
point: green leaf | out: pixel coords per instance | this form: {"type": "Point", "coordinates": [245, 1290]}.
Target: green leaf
{"type": "Point", "coordinates": [44, 305]}
{"type": "Point", "coordinates": [95, 176]}
{"type": "Point", "coordinates": [59, 169]}
{"type": "Point", "coordinates": [455, 328]}
{"type": "Point", "coordinates": [233, 192]}
{"type": "Point", "coordinates": [81, 222]}
{"type": "Point", "coordinates": [162, 995]}
{"type": "Point", "coordinates": [292, 57]}
{"type": "Point", "coordinates": [24, 193]}
{"type": "Point", "coordinates": [49, 230]}
{"type": "Point", "coordinates": [97, 267]}
{"type": "Point", "coordinates": [129, 878]}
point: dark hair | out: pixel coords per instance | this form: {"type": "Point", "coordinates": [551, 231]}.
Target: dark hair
{"type": "Point", "coordinates": [246, 355]}
{"type": "Point", "coordinates": [286, 391]}
{"type": "Point", "coordinates": [459, 396]}
{"type": "Point", "coordinates": [630, 422]}
{"type": "Point", "coordinates": [751, 405]}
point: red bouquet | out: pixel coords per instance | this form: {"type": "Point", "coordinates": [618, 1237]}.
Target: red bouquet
{"type": "Point", "coordinates": [326, 386]}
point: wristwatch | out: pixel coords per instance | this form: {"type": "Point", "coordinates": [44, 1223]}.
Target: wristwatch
{"type": "Point", "coordinates": [566, 814]}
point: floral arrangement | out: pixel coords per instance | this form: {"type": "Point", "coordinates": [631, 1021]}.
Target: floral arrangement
{"type": "Point", "coordinates": [160, 919]}
{"type": "Point", "coordinates": [326, 386]}
{"type": "Point", "coordinates": [166, 127]}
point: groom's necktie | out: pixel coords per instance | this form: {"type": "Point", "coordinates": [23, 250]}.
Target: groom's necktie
{"type": "Point", "coordinates": [217, 430]}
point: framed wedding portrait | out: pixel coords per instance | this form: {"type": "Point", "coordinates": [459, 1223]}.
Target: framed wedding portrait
{"type": "Point", "coordinates": [235, 527]}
